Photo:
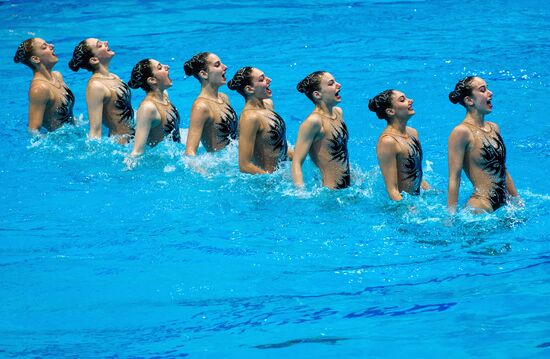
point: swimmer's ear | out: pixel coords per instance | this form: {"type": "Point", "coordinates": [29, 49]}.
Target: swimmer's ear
{"type": "Point", "coordinates": [390, 111]}
{"type": "Point", "coordinates": [249, 89]}
{"type": "Point", "coordinates": [151, 81]}
{"type": "Point", "coordinates": [468, 101]}
{"type": "Point", "coordinates": [94, 60]}
{"type": "Point", "coordinates": [203, 74]}
{"type": "Point", "coordinates": [35, 59]}
{"type": "Point", "coordinates": [317, 95]}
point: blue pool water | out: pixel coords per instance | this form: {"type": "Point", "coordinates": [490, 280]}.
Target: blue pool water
{"type": "Point", "coordinates": [96, 261]}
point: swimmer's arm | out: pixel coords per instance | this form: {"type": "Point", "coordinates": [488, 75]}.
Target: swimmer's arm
{"type": "Point", "coordinates": [95, 93]}
{"type": "Point", "coordinates": [248, 128]}
{"type": "Point", "coordinates": [38, 99]}
{"type": "Point", "coordinates": [290, 153]}
{"type": "Point", "coordinates": [146, 114]}
{"type": "Point", "coordinates": [306, 134]}
{"type": "Point", "coordinates": [458, 141]}
{"type": "Point", "coordinates": [510, 186]}
{"type": "Point", "coordinates": [199, 116]}
{"type": "Point", "coordinates": [386, 152]}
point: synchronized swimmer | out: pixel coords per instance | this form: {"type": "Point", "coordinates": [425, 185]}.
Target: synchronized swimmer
{"type": "Point", "coordinates": [475, 146]}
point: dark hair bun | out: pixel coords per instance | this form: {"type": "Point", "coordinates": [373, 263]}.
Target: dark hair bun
{"type": "Point", "coordinates": [188, 68]}
{"type": "Point", "coordinates": [133, 84]}
{"type": "Point", "coordinates": [301, 86]}
{"type": "Point", "coordinates": [454, 96]}
{"type": "Point", "coordinates": [73, 66]}
{"type": "Point", "coordinates": [372, 105]}
{"type": "Point", "coordinates": [232, 84]}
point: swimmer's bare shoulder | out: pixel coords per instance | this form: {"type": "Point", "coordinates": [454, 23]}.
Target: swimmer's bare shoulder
{"type": "Point", "coordinates": [224, 97]}
{"type": "Point", "coordinates": [461, 133]}
{"type": "Point", "coordinates": [268, 104]}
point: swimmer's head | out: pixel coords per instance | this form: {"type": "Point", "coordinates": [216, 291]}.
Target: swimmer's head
{"type": "Point", "coordinates": [81, 57]}
{"type": "Point", "coordinates": [89, 53]}
{"type": "Point", "coordinates": [320, 86]}
{"type": "Point", "coordinates": [241, 80]}
{"type": "Point", "coordinates": [391, 104]}
{"type": "Point", "coordinates": [35, 51]}
{"type": "Point", "coordinates": [310, 84]}
{"type": "Point", "coordinates": [149, 74]}
{"type": "Point", "coordinates": [380, 103]}
{"type": "Point", "coordinates": [463, 89]}
{"type": "Point", "coordinates": [196, 64]}
{"type": "Point", "coordinates": [141, 72]}
{"type": "Point", "coordinates": [206, 67]}
{"type": "Point", "coordinates": [24, 53]}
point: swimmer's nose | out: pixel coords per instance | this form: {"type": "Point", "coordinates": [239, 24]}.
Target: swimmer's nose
{"type": "Point", "coordinates": [411, 101]}
{"type": "Point", "coordinates": [338, 85]}
{"type": "Point", "coordinates": [167, 67]}
{"type": "Point", "coordinates": [268, 79]}
{"type": "Point", "coordinates": [224, 67]}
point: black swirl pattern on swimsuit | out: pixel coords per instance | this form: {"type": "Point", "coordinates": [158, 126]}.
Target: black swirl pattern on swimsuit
{"type": "Point", "coordinates": [338, 150]}
{"type": "Point", "coordinates": [172, 127]}
{"type": "Point", "coordinates": [493, 154]}
{"type": "Point", "coordinates": [277, 134]}
{"type": "Point", "coordinates": [228, 125]}
{"type": "Point", "coordinates": [123, 103]}
{"type": "Point", "coordinates": [65, 110]}
{"type": "Point", "coordinates": [413, 165]}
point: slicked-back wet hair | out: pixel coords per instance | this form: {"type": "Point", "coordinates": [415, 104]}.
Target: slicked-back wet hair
{"type": "Point", "coordinates": [310, 84]}
{"type": "Point", "coordinates": [24, 52]}
{"type": "Point", "coordinates": [240, 80]}
{"type": "Point", "coordinates": [380, 103]}
{"type": "Point", "coordinates": [462, 89]}
{"type": "Point", "coordinates": [196, 64]}
{"type": "Point", "coordinates": [140, 73]}
{"type": "Point", "coordinates": [81, 57]}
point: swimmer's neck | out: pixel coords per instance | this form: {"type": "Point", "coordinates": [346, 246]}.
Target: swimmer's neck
{"type": "Point", "coordinates": [209, 91]}
{"type": "Point", "coordinates": [255, 103]}
{"type": "Point", "coordinates": [325, 109]}
{"type": "Point", "coordinates": [102, 69]}
{"type": "Point", "coordinates": [158, 94]}
{"type": "Point", "coordinates": [475, 118]}
{"type": "Point", "coordinates": [399, 127]}
{"type": "Point", "coordinates": [44, 72]}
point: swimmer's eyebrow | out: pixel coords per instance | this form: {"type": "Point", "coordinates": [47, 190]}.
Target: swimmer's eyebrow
{"type": "Point", "coordinates": [97, 43]}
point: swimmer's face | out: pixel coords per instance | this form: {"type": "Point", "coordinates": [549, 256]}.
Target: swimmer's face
{"type": "Point", "coordinates": [100, 48]}
{"type": "Point", "coordinates": [44, 52]}
{"type": "Point", "coordinates": [330, 90]}
{"type": "Point", "coordinates": [161, 73]}
{"type": "Point", "coordinates": [216, 70]}
{"type": "Point", "coordinates": [260, 85]}
{"type": "Point", "coordinates": [401, 106]}
{"type": "Point", "coordinates": [481, 98]}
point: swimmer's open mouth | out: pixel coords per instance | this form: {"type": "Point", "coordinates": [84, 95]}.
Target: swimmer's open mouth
{"type": "Point", "coordinates": [337, 94]}
{"type": "Point", "coordinates": [268, 90]}
{"type": "Point", "coordinates": [223, 76]}
{"type": "Point", "coordinates": [410, 108]}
